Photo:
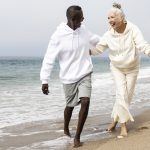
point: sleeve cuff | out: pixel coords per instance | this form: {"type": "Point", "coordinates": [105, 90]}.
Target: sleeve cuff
{"type": "Point", "coordinates": [44, 81]}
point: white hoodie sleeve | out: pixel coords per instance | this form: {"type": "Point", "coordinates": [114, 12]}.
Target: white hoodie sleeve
{"type": "Point", "coordinates": [48, 61]}
{"type": "Point", "coordinates": [100, 47]}
{"type": "Point", "coordinates": [140, 43]}
{"type": "Point", "coordinates": [93, 38]}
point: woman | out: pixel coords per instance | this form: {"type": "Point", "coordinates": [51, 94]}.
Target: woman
{"type": "Point", "coordinates": [124, 41]}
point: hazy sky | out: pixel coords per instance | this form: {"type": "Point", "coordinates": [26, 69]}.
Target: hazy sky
{"type": "Point", "coordinates": [26, 25]}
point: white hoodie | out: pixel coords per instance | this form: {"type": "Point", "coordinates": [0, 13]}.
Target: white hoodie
{"type": "Point", "coordinates": [71, 48]}
{"type": "Point", "coordinates": [123, 47]}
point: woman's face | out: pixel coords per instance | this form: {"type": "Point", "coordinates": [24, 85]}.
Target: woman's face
{"type": "Point", "coordinates": [115, 20]}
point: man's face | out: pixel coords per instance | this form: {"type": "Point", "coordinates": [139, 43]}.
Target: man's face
{"type": "Point", "coordinates": [75, 19]}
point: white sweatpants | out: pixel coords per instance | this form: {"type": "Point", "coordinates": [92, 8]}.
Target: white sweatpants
{"type": "Point", "coordinates": [125, 81]}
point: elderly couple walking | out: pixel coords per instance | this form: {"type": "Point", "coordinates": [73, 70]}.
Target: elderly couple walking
{"type": "Point", "coordinates": [70, 44]}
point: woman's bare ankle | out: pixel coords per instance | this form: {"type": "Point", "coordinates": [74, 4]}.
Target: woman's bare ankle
{"type": "Point", "coordinates": [124, 131]}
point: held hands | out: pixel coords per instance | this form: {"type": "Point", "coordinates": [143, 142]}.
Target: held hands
{"type": "Point", "coordinates": [45, 89]}
{"type": "Point", "coordinates": [90, 52]}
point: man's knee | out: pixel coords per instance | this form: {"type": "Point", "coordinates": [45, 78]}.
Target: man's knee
{"type": "Point", "coordinates": [85, 101]}
{"type": "Point", "coordinates": [69, 109]}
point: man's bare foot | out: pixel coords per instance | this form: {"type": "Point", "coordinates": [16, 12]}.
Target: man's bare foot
{"type": "Point", "coordinates": [77, 143]}
{"type": "Point", "coordinates": [66, 132]}
{"type": "Point", "coordinates": [112, 127]}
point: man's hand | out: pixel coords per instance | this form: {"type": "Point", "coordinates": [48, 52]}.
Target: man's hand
{"type": "Point", "coordinates": [45, 89]}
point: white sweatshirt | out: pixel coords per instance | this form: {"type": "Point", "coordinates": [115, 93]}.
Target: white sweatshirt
{"type": "Point", "coordinates": [123, 47]}
{"type": "Point", "coordinates": [71, 48]}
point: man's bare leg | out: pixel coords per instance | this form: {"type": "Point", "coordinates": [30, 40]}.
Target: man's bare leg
{"type": "Point", "coordinates": [82, 118]}
{"type": "Point", "coordinates": [67, 117]}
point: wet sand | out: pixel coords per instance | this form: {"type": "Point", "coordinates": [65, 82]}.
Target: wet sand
{"type": "Point", "coordinates": [138, 137]}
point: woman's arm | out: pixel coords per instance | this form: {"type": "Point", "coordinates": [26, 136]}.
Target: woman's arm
{"type": "Point", "coordinates": [101, 46]}
{"type": "Point", "coordinates": [140, 43]}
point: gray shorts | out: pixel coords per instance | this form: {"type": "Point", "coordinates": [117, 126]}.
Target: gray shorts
{"type": "Point", "coordinates": [74, 91]}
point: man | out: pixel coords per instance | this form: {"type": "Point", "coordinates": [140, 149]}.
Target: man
{"type": "Point", "coordinates": [70, 44]}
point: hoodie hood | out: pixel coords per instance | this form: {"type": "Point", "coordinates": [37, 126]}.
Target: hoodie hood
{"type": "Point", "coordinates": [63, 29]}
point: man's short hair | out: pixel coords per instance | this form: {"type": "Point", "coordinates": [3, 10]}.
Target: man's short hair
{"type": "Point", "coordinates": [72, 9]}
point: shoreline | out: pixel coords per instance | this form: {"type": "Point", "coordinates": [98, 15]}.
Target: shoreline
{"type": "Point", "coordinates": [49, 135]}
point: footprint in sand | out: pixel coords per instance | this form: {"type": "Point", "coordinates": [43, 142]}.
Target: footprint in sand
{"type": "Point", "coordinates": [142, 128]}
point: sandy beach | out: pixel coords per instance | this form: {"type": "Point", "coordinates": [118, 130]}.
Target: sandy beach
{"type": "Point", "coordinates": [138, 137]}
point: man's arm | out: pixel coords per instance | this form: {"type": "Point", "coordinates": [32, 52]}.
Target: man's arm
{"type": "Point", "coordinates": [47, 65]}
{"type": "Point", "coordinates": [99, 44]}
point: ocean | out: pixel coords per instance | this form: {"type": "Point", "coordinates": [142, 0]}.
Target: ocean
{"type": "Point", "coordinates": [26, 112]}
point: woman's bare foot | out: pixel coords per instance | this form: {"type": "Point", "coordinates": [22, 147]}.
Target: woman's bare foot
{"type": "Point", "coordinates": [112, 126]}
{"type": "Point", "coordinates": [124, 131]}
{"type": "Point", "coordinates": [77, 143]}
